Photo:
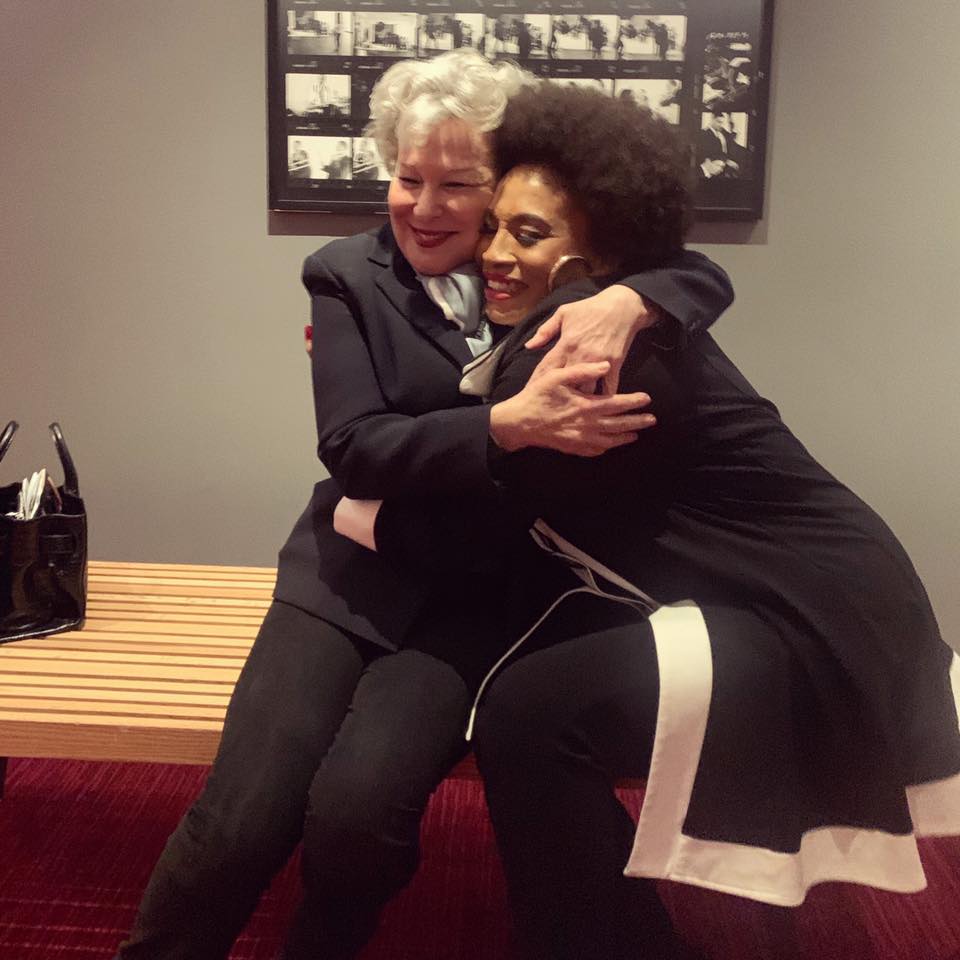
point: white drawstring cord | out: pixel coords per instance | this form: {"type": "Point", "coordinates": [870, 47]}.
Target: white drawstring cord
{"type": "Point", "coordinates": [506, 656]}
{"type": "Point", "coordinates": [584, 566]}
{"type": "Point", "coordinates": [593, 590]}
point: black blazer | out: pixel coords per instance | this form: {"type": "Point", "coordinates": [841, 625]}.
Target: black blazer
{"type": "Point", "coordinates": [391, 420]}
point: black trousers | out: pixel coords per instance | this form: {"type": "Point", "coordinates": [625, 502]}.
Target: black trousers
{"type": "Point", "coordinates": [557, 728]}
{"type": "Point", "coordinates": [330, 739]}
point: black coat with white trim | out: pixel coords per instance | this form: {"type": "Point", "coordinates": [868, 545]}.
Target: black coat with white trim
{"type": "Point", "coordinates": [720, 504]}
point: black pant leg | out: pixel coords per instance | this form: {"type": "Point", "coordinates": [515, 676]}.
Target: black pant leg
{"type": "Point", "coordinates": [556, 729]}
{"type": "Point", "coordinates": [289, 702]}
{"type": "Point", "coordinates": [361, 839]}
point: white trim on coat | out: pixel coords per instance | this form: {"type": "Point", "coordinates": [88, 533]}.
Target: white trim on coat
{"type": "Point", "coordinates": [661, 850]}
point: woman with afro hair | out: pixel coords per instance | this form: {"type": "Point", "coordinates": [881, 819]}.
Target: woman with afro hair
{"type": "Point", "coordinates": [714, 612]}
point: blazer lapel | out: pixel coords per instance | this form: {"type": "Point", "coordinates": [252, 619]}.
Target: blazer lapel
{"type": "Point", "coordinates": [399, 284]}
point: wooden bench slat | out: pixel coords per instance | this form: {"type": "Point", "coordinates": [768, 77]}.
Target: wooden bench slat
{"type": "Point", "coordinates": [80, 709]}
{"type": "Point", "coordinates": [29, 665]}
{"type": "Point", "coordinates": [96, 612]}
{"type": "Point", "coordinates": [162, 571]}
{"type": "Point", "coordinates": [64, 658]}
{"type": "Point", "coordinates": [10, 693]}
{"type": "Point", "coordinates": [179, 614]}
{"type": "Point", "coordinates": [160, 645]}
{"type": "Point", "coordinates": [206, 592]}
{"type": "Point", "coordinates": [95, 567]}
{"type": "Point", "coordinates": [188, 587]}
{"type": "Point", "coordinates": [174, 628]}
{"type": "Point", "coordinates": [159, 602]}
{"type": "Point", "coordinates": [98, 720]}
{"type": "Point", "coordinates": [184, 575]}
{"type": "Point", "coordinates": [106, 630]}
{"type": "Point", "coordinates": [130, 686]}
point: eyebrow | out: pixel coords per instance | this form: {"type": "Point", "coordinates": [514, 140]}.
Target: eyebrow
{"type": "Point", "coordinates": [460, 173]}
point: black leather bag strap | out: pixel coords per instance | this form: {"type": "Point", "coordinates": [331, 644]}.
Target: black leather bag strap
{"type": "Point", "coordinates": [70, 483]}
{"type": "Point", "coordinates": [6, 438]}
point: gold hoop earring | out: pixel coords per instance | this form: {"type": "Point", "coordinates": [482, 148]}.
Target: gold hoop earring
{"type": "Point", "coordinates": [570, 267]}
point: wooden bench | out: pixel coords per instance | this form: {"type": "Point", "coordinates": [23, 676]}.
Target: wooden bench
{"type": "Point", "coordinates": [149, 676]}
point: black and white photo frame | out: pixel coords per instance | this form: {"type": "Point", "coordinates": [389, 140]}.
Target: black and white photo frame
{"type": "Point", "coordinates": [703, 65]}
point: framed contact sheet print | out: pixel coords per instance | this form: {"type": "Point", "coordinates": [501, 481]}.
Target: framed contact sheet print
{"type": "Point", "coordinates": [703, 65]}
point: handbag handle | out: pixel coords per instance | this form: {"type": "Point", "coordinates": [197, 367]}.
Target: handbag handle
{"type": "Point", "coordinates": [6, 438]}
{"type": "Point", "coordinates": [70, 483]}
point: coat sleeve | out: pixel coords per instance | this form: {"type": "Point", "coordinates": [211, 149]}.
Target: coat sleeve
{"type": "Point", "coordinates": [374, 452]}
{"type": "Point", "coordinates": [690, 288]}
{"type": "Point", "coordinates": [548, 483]}
{"type": "Point", "coordinates": [431, 535]}
{"type": "Point", "coordinates": [371, 450]}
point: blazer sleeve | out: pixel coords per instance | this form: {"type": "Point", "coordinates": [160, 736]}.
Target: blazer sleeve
{"type": "Point", "coordinates": [374, 452]}
{"type": "Point", "coordinates": [690, 288]}
{"type": "Point", "coordinates": [371, 450]}
{"type": "Point", "coordinates": [430, 536]}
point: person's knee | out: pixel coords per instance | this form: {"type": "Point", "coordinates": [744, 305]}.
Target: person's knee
{"type": "Point", "coordinates": [362, 827]}
{"type": "Point", "coordinates": [514, 722]}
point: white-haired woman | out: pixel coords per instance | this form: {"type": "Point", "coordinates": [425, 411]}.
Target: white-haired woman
{"type": "Point", "coordinates": [351, 707]}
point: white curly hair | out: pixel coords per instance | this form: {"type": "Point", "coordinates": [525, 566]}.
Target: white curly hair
{"type": "Point", "coordinates": [413, 96]}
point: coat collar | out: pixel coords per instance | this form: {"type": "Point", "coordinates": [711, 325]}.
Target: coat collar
{"type": "Point", "coordinates": [397, 281]}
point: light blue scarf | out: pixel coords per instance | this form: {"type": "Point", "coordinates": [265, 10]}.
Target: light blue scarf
{"type": "Point", "coordinates": [458, 295]}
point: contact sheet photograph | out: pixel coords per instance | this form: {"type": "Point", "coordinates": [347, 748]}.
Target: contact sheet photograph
{"type": "Point", "coordinates": [702, 65]}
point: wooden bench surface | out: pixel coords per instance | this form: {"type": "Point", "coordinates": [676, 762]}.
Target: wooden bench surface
{"type": "Point", "coordinates": [149, 676]}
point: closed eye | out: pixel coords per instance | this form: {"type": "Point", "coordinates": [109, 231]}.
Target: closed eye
{"type": "Point", "coordinates": [528, 238]}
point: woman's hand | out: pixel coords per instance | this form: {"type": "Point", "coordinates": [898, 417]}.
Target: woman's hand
{"type": "Point", "coordinates": [356, 519]}
{"type": "Point", "coordinates": [553, 411]}
{"type": "Point", "coordinates": [599, 328]}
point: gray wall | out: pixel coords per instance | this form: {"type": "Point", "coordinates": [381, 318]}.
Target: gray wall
{"type": "Point", "coordinates": [153, 306]}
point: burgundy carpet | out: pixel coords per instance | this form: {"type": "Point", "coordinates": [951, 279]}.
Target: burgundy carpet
{"type": "Point", "coordinates": [78, 841]}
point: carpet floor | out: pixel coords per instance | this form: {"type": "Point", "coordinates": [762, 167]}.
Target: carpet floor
{"type": "Point", "coordinates": [78, 841]}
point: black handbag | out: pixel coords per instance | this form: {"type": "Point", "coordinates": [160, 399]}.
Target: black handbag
{"type": "Point", "coordinates": [43, 561]}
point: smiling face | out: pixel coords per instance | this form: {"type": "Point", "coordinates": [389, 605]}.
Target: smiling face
{"type": "Point", "coordinates": [530, 225]}
{"type": "Point", "coordinates": [438, 196]}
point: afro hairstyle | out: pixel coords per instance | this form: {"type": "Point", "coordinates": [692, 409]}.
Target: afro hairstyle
{"type": "Point", "coordinates": [623, 166]}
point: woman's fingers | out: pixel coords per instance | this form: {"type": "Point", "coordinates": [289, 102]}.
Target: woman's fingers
{"type": "Point", "coordinates": [546, 332]}
{"type": "Point", "coordinates": [633, 422]}
{"type": "Point", "coordinates": [577, 374]}
{"type": "Point", "coordinates": [619, 403]}
{"type": "Point", "coordinates": [591, 443]}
